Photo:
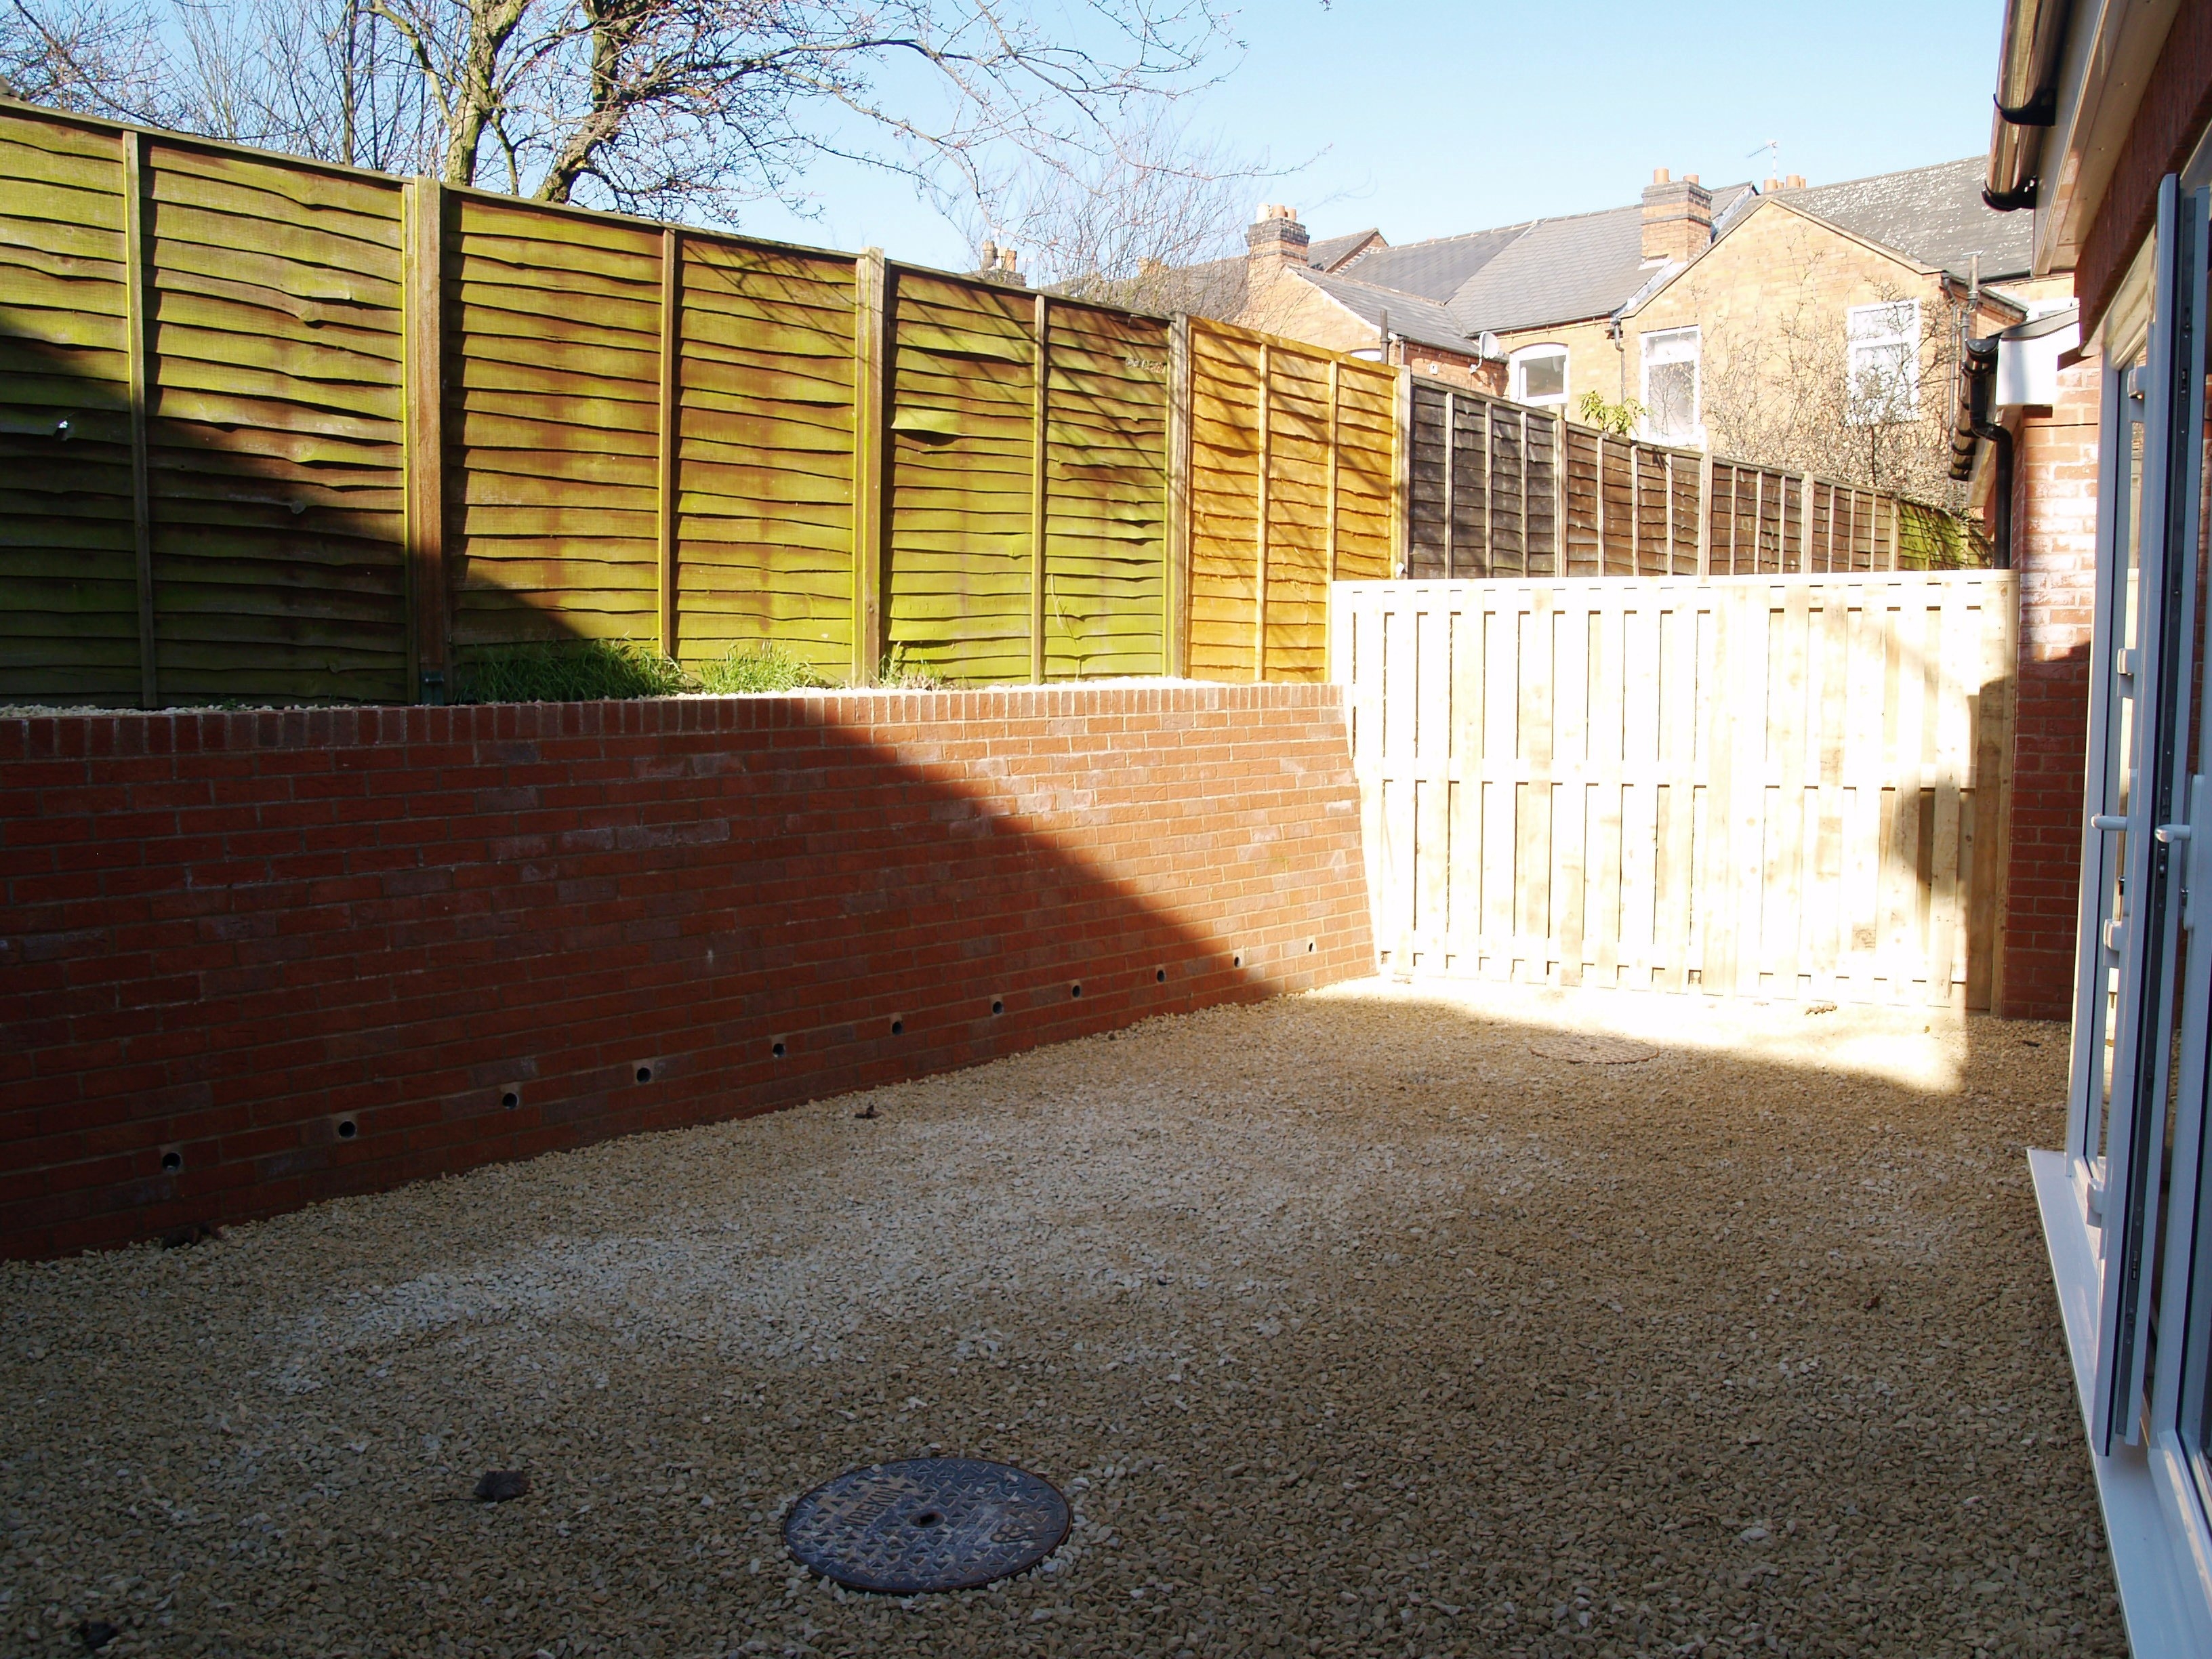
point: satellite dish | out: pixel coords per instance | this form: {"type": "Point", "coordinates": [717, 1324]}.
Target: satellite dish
{"type": "Point", "coordinates": [1489, 347]}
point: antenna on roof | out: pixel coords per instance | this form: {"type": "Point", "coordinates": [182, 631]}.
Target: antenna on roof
{"type": "Point", "coordinates": [1773, 150]}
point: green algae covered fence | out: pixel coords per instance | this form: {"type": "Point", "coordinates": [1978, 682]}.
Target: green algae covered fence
{"type": "Point", "coordinates": [271, 429]}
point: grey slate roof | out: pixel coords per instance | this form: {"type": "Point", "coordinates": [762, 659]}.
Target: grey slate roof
{"type": "Point", "coordinates": [1422, 321]}
{"type": "Point", "coordinates": [1435, 269]}
{"type": "Point", "coordinates": [1936, 213]}
{"type": "Point", "coordinates": [1331, 251]}
{"type": "Point", "coordinates": [1562, 271]}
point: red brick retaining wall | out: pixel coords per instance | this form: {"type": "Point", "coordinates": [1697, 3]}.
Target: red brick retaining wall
{"type": "Point", "coordinates": [253, 960]}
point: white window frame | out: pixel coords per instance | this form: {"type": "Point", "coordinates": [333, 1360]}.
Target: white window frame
{"type": "Point", "coordinates": [1662, 346]}
{"type": "Point", "coordinates": [1517, 364]}
{"type": "Point", "coordinates": [1886, 325]}
{"type": "Point", "coordinates": [2140, 1340]}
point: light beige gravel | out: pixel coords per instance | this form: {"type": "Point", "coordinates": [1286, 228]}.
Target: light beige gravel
{"type": "Point", "coordinates": [1351, 1324]}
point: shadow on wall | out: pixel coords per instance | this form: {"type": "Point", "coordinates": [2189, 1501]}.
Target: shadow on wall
{"type": "Point", "coordinates": [258, 960]}
{"type": "Point", "coordinates": [276, 557]}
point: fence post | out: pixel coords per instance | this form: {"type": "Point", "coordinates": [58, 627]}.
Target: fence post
{"type": "Point", "coordinates": [1402, 476]}
{"type": "Point", "coordinates": [671, 332]}
{"type": "Point", "coordinates": [1559, 497]}
{"type": "Point", "coordinates": [1329, 511]}
{"type": "Point", "coordinates": [1451, 485]}
{"type": "Point", "coordinates": [871, 355]}
{"type": "Point", "coordinates": [1041, 396]}
{"type": "Point", "coordinates": [138, 350]}
{"type": "Point", "coordinates": [1895, 515]}
{"type": "Point", "coordinates": [425, 495]}
{"type": "Point", "coordinates": [1805, 529]}
{"type": "Point", "coordinates": [1705, 516]}
{"type": "Point", "coordinates": [1174, 601]}
{"type": "Point", "coordinates": [1260, 546]}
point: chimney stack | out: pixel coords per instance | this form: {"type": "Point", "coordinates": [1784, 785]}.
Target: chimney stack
{"type": "Point", "coordinates": [1678, 218]}
{"type": "Point", "coordinates": [1277, 241]}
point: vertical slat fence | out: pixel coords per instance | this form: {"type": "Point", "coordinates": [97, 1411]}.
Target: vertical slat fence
{"type": "Point", "coordinates": [1788, 786]}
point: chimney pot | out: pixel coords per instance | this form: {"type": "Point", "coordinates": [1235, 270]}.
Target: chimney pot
{"type": "Point", "coordinates": [1689, 178]}
{"type": "Point", "coordinates": [1796, 181]}
{"type": "Point", "coordinates": [1771, 186]}
{"type": "Point", "coordinates": [1659, 175]}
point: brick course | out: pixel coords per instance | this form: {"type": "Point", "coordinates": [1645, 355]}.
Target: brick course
{"type": "Point", "coordinates": [308, 953]}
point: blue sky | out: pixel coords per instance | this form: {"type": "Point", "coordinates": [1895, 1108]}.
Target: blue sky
{"type": "Point", "coordinates": [1430, 119]}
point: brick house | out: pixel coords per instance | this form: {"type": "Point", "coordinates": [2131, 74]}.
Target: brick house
{"type": "Point", "coordinates": [1668, 300]}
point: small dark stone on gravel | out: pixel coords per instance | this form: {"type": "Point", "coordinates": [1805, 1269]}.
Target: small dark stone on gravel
{"type": "Point", "coordinates": [497, 1485]}
{"type": "Point", "coordinates": [95, 1634]}
{"type": "Point", "coordinates": [871, 1112]}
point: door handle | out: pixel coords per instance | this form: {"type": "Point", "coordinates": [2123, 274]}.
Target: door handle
{"type": "Point", "coordinates": [2171, 835]}
{"type": "Point", "coordinates": [2107, 823]}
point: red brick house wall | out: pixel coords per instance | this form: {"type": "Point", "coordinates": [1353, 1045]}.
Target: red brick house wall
{"type": "Point", "coordinates": [2054, 551]}
{"type": "Point", "coordinates": [253, 960]}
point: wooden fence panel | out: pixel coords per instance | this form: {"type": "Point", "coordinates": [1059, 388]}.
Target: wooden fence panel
{"type": "Point", "coordinates": [958, 575]}
{"type": "Point", "coordinates": [1753, 785]}
{"type": "Point", "coordinates": [276, 452]}
{"type": "Point", "coordinates": [765, 477]}
{"type": "Point", "coordinates": [69, 625]}
{"type": "Point", "coordinates": [1294, 464]}
{"type": "Point", "coordinates": [1366, 471]}
{"type": "Point", "coordinates": [1226, 422]}
{"type": "Point", "coordinates": [1298, 435]}
{"type": "Point", "coordinates": [553, 326]}
{"type": "Point", "coordinates": [1106, 494]}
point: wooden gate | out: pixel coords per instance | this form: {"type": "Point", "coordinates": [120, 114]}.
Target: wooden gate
{"type": "Point", "coordinates": [1771, 786]}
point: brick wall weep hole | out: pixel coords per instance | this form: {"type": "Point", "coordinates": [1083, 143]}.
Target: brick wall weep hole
{"type": "Point", "coordinates": [254, 960]}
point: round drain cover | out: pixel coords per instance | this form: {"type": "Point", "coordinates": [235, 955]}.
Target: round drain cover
{"type": "Point", "coordinates": [1593, 1050]}
{"type": "Point", "coordinates": [926, 1524]}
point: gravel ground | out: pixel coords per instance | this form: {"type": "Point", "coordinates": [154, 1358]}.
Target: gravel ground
{"type": "Point", "coordinates": [1350, 1324]}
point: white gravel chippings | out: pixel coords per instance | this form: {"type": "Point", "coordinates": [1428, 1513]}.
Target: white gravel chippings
{"type": "Point", "coordinates": [1349, 1324]}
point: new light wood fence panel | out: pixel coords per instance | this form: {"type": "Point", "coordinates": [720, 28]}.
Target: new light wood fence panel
{"type": "Point", "coordinates": [764, 476]}
{"type": "Point", "coordinates": [1227, 410]}
{"type": "Point", "coordinates": [68, 555]}
{"type": "Point", "coordinates": [1784, 787]}
{"type": "Point", "coordinates": [1294, 459]}
{"type": "Point", "coordinates": [1105, 504]}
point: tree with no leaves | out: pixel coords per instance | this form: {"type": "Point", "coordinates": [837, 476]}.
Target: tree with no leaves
{"type": "Point", "coordinates": [676, 107]}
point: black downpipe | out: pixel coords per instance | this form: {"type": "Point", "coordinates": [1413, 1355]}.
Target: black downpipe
{"type": "Point", "coordinates": [1981, 376]}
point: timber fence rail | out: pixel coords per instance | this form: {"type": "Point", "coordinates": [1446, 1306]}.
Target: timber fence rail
{"type": "Point", "coordinates": [271, 429]}
{"type": "Point", "coordinates": [1760, 786]}
{"type": "Point", "coordinates": [1495, 488]}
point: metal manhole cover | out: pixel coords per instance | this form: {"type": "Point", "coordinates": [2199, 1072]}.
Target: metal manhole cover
{"type": "Point", "coordinates": [1593, 1050]}
{"type": "Point", "coordinates": [926, 1524]}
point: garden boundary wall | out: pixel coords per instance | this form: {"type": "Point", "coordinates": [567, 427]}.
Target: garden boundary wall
{"type": "Point", "coordinates": [278, 430]}
{"type": "Point", "coordinates": [1497, 489]}
{"type": "Point", "coordinates": [253, 960]}
{"type": "Point", "coordinates": [1750, 786]}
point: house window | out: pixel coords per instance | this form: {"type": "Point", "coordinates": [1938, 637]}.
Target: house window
{"type": "Point", "coordinates": [1539, 374]}
{"type": "Point", "coordinates": [1881, 368]}
{"type": "Point", "coordinates": [1670, 386]}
